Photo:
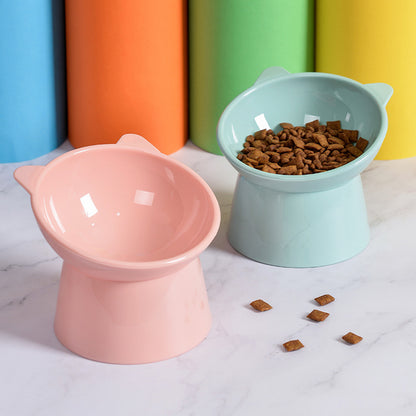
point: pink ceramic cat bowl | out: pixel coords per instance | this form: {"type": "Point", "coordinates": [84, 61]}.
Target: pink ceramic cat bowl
{"type": "Point", "coordinates": [129, 223]}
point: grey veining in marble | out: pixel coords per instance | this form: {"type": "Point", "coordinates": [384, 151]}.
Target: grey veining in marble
{"type": "Point", "coordinates": [241, 368]}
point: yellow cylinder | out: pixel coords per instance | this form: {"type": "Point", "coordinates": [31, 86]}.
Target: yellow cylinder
{"type": "Point", "coordinates": [374, 41]}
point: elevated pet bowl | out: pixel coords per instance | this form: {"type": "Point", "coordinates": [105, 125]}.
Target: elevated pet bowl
{"type": "Point", "coordinates": [129, 223]}
{"type": "Point", "coordinates": [307, 220]}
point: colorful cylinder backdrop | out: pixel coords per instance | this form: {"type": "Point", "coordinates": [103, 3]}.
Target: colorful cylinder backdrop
{"type": "Point", "coordinates": [127, 71]}
{"type": "Point", "coordinates": [32, 78]}
{"type": "Point", "coordinates": [374, 41]}
{"type": "Point", "coordinates": [231, 42]}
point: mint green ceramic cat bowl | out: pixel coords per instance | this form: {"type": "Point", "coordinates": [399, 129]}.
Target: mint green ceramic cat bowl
{"type": "Point", "coordinates": [310, 220]}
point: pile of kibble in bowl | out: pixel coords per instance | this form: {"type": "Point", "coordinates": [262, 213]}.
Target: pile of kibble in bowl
{"type": "Point", "coordinates": [302, 150]}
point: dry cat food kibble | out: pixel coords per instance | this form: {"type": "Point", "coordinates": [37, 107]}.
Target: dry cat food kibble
{"type": "Point", "coordinates": [318, 316]}
{"type": "Point", "coordinates": [302, 150]}
{"type": "Point", "coordinates": [293, 345]}
{"type": "Point", "coordinates": [352, 338]}
{"type": "Point", "coordinates": [260, 305]}
{"type": "Point", "coordinates": [324, 299]}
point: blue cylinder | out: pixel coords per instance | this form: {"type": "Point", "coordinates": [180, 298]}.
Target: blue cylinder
{"type": "Point", "coordinates": [32, 78]}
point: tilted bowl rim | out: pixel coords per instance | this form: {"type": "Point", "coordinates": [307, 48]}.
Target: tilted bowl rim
{"type": "Point", "coordinates": [360, 163]}
{"type": "Point", "coordinates": [193, 252]}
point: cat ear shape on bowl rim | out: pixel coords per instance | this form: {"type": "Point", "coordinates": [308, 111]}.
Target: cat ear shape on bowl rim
{"type": "Point", "coordinates": [28, 175]}
{"type": "Point", "coordinates": [271, 73]}
{"type": "Point", "coordinates": [381, 91]}
{"type": "Point", "coordinates": [134, 140]}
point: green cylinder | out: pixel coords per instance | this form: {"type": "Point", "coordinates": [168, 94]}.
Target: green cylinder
{"type": "Point", "coordinates": [231, 42]}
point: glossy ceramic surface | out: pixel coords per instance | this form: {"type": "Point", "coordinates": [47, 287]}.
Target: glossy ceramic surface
{"type": "Point", "coordinates": [125, 217]}
{"type": "Point", "coordinates": [290, 220]}
{"type": "Point", "coordinates": [135, 322]}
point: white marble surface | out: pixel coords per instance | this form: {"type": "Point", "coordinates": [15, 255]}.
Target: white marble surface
{"type": "Point", "coordinates": [241, 368]}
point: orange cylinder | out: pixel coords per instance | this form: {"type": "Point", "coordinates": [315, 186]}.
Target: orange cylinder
{"type": "Point", "coordinates": [126, 71]}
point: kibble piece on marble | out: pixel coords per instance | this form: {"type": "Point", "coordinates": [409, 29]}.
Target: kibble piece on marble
{"type": "Point", "coordinates": [324, 299]}
{"type": "Point", "coordinates": [318, 316]}
{"type": "Point", "coordinates": [293, 345]}
{"type": "Point", "coordinates": [260, 305]}
{"type": "Point", "coordinates": [352, 338]}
